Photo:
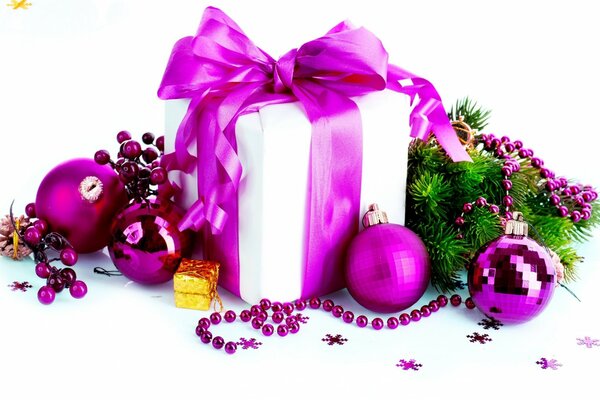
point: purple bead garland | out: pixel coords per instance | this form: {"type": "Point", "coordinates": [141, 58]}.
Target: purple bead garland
{"type": "Point", "coordinates": [289, 325]}
{"type": "Point", "coordinates": [558, 188]}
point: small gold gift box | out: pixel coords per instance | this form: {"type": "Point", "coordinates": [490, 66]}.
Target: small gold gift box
{"type": "Point", "coordinates": [195, 284]}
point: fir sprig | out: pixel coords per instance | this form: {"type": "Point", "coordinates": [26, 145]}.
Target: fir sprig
{"type": "Point", "coordinates": [475, 116]}
{"type": "Point", "coordinates": [437, 189]}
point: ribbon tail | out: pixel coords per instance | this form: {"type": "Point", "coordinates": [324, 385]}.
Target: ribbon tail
{"type": "Point", "coordinates": [428, 114]}
{"type": "Point", "coordinates": [446, 136]}
{"type": "Point", "coordinates": [334, 185]}
{"type": "Point", "coordinates": [193, 218]}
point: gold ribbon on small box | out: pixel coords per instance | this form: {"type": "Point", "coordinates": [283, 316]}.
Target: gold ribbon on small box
{"type": "Point", "coordinates": [195, 285]}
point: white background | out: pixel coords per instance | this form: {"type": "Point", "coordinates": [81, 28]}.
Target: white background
{"type": "Point", "coordinates": [73, 73]}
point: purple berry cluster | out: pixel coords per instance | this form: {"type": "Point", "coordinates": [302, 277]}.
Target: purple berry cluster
{"type": "Point", "coordinates": [41, 241]}
{"type": "Point", "coordinates": [138, 168]}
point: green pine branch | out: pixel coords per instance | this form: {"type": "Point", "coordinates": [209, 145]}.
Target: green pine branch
{"type": "Point", "coordinates": [475, 116]}
{"type": "Point", "coordinates": [437, 189]}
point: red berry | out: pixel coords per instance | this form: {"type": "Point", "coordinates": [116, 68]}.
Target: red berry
{"type": "Point", "coordinates": [41, 226]}
{"type": "Point", "coordinates": [148, 138]}
{"type": "Point", "coordinates": [160, 143]}
{"type": "Point", "coordinates": [68, 256]}
{"type": "Point", "coordinates": [46, 295]}
{"type": "Point", "coordinates": [123, 136]}
{"type": "Point", "coordinates": [69, 275]}
{"type": "Point", "coordinates": [158, 176]}
{"type": "Point", "coordinates": [32, 236]}
{"type": "Point", "coordinates": [131, 149]}
{"type": "Point", "coordinates": [30, 210]}
{"type": "Point", "coordinates": [42, 270]}
{"type": "Point", "coordinates": [102, 157]}
{"type": "Point", "coordinates": [129, 170]}
{"type": "Point", "coordinates": [56, 282]}
{"type": "Point", "coordinates": [78, 289]}
{"type": "Point", "coordinates": [149, 155]}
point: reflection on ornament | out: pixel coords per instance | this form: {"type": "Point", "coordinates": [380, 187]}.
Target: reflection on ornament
{"type": "Point", "coordinates": [146, 245]}
{"type": "Point", "coordinates": [387, 266]}
{"type": "Point", "coordinates": [79, 199]}
{"type": "Point", "coordinates": [512, 278]}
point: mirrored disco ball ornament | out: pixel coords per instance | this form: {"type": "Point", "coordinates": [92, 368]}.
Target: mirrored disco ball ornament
{"type": "Point", "coordinates": [387, 265]}
{"type": "Point", "coordinates": [512, 278]}
{"type": "Point", "coordinates": [146, 245]}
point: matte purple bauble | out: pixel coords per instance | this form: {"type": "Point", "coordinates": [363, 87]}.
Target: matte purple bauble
{"type": "Point", "coordinates": [146, 245]}
{"type": "Point", "coordinates": [78, 199]}
{"type": "Point", "coordinates": [387, 268]}
{"type": "Point", "coordinates": [512, 279]}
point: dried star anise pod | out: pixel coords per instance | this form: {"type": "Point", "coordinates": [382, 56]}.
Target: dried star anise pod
{"type": "Point", "coordinates": [7, 228]}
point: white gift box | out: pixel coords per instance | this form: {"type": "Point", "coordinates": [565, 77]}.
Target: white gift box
{"type": "Point", "coordinates": [274, 148]}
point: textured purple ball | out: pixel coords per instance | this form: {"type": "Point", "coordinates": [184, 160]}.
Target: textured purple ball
{"type": "Point", "coordinates": [206, 337]}
{"type": "Point", "coordinates": [79, 207]}
{"type": "Point", "coordinates": [348, 316]}
{"type": "Point", "coordinates": [230, 347]}
{"type": "Point", "coordinates": [387, 268]}
{"type": "Point", "coordinates": [146, 245]}
{"type": "Point", "coordinates": [511, 279]}
{"type": "Point", "coordinates": [268, 329]}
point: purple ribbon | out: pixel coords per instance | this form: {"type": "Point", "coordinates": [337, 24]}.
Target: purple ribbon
{"type": "Point", "coordinates": [225, 75]}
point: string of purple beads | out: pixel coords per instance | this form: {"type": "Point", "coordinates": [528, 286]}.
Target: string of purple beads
{"type": "Point", "coordinates": [258, 315]}
{"type": "Point", "coordinates": [469, 207]}
{"type": "Point", "coordinates": [561, 194]}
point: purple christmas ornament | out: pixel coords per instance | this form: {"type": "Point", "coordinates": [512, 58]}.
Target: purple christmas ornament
{"type": "Point", "coordinates": [78, 199]}
{"type": "Point", "coordinates": [512, 278]}
{"type": "Point", "coordinates": [146, 245]}
{"type": "Point", "coordinates": [387, 266]}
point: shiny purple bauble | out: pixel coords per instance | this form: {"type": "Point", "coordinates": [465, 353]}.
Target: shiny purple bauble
{"type": "Point", "coordinates": [146, 245]}
{"type": "Point", "coordinates": [512, 279]}
{"type": "Point", "coordinates": [387, 268]}
{"type": "Point", "coordinates": [82, 213]}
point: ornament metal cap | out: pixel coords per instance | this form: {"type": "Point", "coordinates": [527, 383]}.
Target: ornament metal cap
{"type": "Point", "coordinates": [91, 189]}
{"type": "Point", "coordinates": [374, 216]}
{"type": "Point", "coordinates": [516, 226]}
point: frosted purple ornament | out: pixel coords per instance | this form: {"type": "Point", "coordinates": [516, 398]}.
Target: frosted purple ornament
{"type": "Point", "coordinates": [512, 278]}
{"type": "Point", "coordinates": [387, 265]}
{"type": "Point", "coordinates": [78, 199]}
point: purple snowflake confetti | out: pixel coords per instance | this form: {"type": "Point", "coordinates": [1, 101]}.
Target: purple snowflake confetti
{"type": "Point", "coordinates": [22, 286]}
{"type": "Point", "coordinates": [249, 343]}
{"type": "Point", "coordinates": [301, 318]}
{"type": "Point", "coordinates": [337, 339]}
{"type": "Point", "coordinates": [410, 364]}
{"type": "Point", "coordinates": [490, 323]}
{"type": "Point", "coordinates": [545, 363]}
{"type": "Point", "coordinates": [588, 342]}
{"type": "Point", "coordinates": [478, 337]}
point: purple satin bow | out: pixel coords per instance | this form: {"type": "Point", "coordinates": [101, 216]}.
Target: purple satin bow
{"type": "Point", "coordinates": [225, 75]}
